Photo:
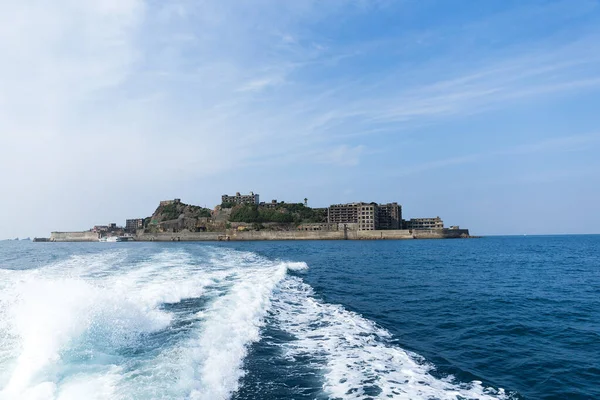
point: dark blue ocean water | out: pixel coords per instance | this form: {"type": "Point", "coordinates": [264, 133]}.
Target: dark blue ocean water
{"type": "Point", "coordinates": [498, 317]}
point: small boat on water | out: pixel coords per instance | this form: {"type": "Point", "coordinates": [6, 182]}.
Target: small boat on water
{"type": "Point", "coordinates": [113, 239]}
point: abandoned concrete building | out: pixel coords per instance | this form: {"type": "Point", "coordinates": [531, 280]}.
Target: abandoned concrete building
{"type": "Point", "coordinates": [424, 223]}
{"type": "Point", "coordinates": [367, 216]}
{"type": "Point", "coordinates": [241, 198]}
{"type": "Point", "coordinates": [132, 225]}
{"type": "Point", "coordinates": [390, 216]}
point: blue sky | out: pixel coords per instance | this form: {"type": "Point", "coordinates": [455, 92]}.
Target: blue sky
{"type": "Point", "coordinates": [482, 112]}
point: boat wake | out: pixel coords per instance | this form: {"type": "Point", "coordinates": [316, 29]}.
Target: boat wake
{"type": "Point", "coordinates": [356, 356]}
{"type": "Point", "coordinates": [115, 325]}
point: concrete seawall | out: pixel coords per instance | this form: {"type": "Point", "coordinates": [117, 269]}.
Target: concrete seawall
{"type": "Point", "coordinates": [234, 235]}
{"type": "Point", "coordinates": [181, 236]}
{"type": "Point", "coordinates": [74, 236]}
{"type": "Point", "coordinates": [440, 233]}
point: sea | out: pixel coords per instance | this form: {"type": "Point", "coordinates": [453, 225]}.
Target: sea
{"type": "Point", "coordinates": [492, 318]}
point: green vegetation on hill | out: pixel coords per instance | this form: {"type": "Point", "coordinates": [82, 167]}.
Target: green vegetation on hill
{"type": "Point", "coordinates": [282, 213]}
{"type": "Point", "coordinates": [200, 212]}
{"type": "Point", "coordinates": [170, 211]}
{"type": "Point", "coordinates": [177, 216]}
{"type": "Point", "coordinates": [175, 210]}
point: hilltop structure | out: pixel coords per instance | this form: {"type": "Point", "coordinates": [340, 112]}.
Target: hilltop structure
{"type": "Point", "coordinates": [240, 198]}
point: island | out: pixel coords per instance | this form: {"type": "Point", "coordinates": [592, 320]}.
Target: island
{"type": "Point", "coordinates": [244, 217]}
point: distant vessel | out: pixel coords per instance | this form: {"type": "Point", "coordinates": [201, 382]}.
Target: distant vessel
{"type": "Point", "coordinates": [113, 239]}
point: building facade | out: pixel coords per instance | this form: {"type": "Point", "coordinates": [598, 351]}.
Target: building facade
{"type": "Point", "coordinates": [343, 213]}
{"type": "Point", "coordinates": [424, 223]}
{"type": "Point", "coordinates": [366, 216]}
{"type": "Point", "coordinates": [272, 204]}
{"type": "Point", "coordinates": [390, 216]}
{"type": "Point", "coordinates": [132, 225]}
{"type": "Point", "coordinates": [241, 199]}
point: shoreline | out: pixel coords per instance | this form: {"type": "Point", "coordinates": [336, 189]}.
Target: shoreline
{"type": "Point", "coordinates": [234, 235]}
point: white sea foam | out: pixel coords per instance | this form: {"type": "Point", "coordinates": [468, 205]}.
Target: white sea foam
{"type": "Point", "coordinates": [62, 327]}
{"type": "Point", "coordinates": [355, 355]}
{"type": "Point", "coordinates": [83, 301]}
{"type": "Point", "coordinates": [93, 305]}
{"type": "Point", "coordinates": [47, 316]}
{"type": "Point", "coordinates": [297, 266]}
{"type": "Point", "coordinates": [232, 323]}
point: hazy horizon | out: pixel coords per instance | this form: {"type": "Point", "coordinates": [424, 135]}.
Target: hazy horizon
{"type": "Point", "coordinates": [481, 113]}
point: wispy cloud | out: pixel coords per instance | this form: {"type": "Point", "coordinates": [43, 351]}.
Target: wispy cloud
{"type": "Point", "coordinates": [522, 77]}
{"type": "Point", "coordinates": [257, 85]}
{"type": "Point", "coordinates": [342, 155]}
{"type": "Point", "coordinates": [553, 145]}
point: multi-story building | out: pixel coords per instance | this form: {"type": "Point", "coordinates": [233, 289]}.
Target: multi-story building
{"type": "Point", "coordinates": [424, 223]}
{"type": "Point", "coordinates": [366, 216]}
{"type": "Point", "coordinates": [132, 225]}
{"type": "Point", "coordinates": [241, 199]}
{"type": "Point", "coordinates": [390, 216]}
{"type": "Point", "coordinates": [343, 213]}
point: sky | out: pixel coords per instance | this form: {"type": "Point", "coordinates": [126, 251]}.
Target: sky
{"type": "Point", "coordinates": [485, 113]}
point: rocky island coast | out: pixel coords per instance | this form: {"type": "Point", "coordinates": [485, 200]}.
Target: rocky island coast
{"type": "Point", "coordinates": [244, 217]}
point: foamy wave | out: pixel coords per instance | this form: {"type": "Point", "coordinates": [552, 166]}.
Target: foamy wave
{"type": "Point", "coordinates": [355, 355]}
{"type": "Point", "coordinates": [63, 327]}
{"type": "Point", "coordinates": [296, 266]}
{"type": "Point", "coordinates": [85, 306]}
{"type": "Point", "coordinates": [50, 316]}
{"type": "Point", "coordinates": [230, 325]}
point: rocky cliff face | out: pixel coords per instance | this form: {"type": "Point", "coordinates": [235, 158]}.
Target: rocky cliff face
{"type": "Point", "coordinates": [177, 210]}
{"type": "Point", "coordinates": [178, 216]}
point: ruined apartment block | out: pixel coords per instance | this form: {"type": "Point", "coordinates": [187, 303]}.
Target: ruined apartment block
{"type": "Point", "coordinates": [241, 198]}
{"type": "Point", "coordinates": [366, 216]}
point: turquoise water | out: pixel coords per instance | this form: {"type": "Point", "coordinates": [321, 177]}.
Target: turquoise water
{"type": "Point", "coordinates": [501, 317]}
